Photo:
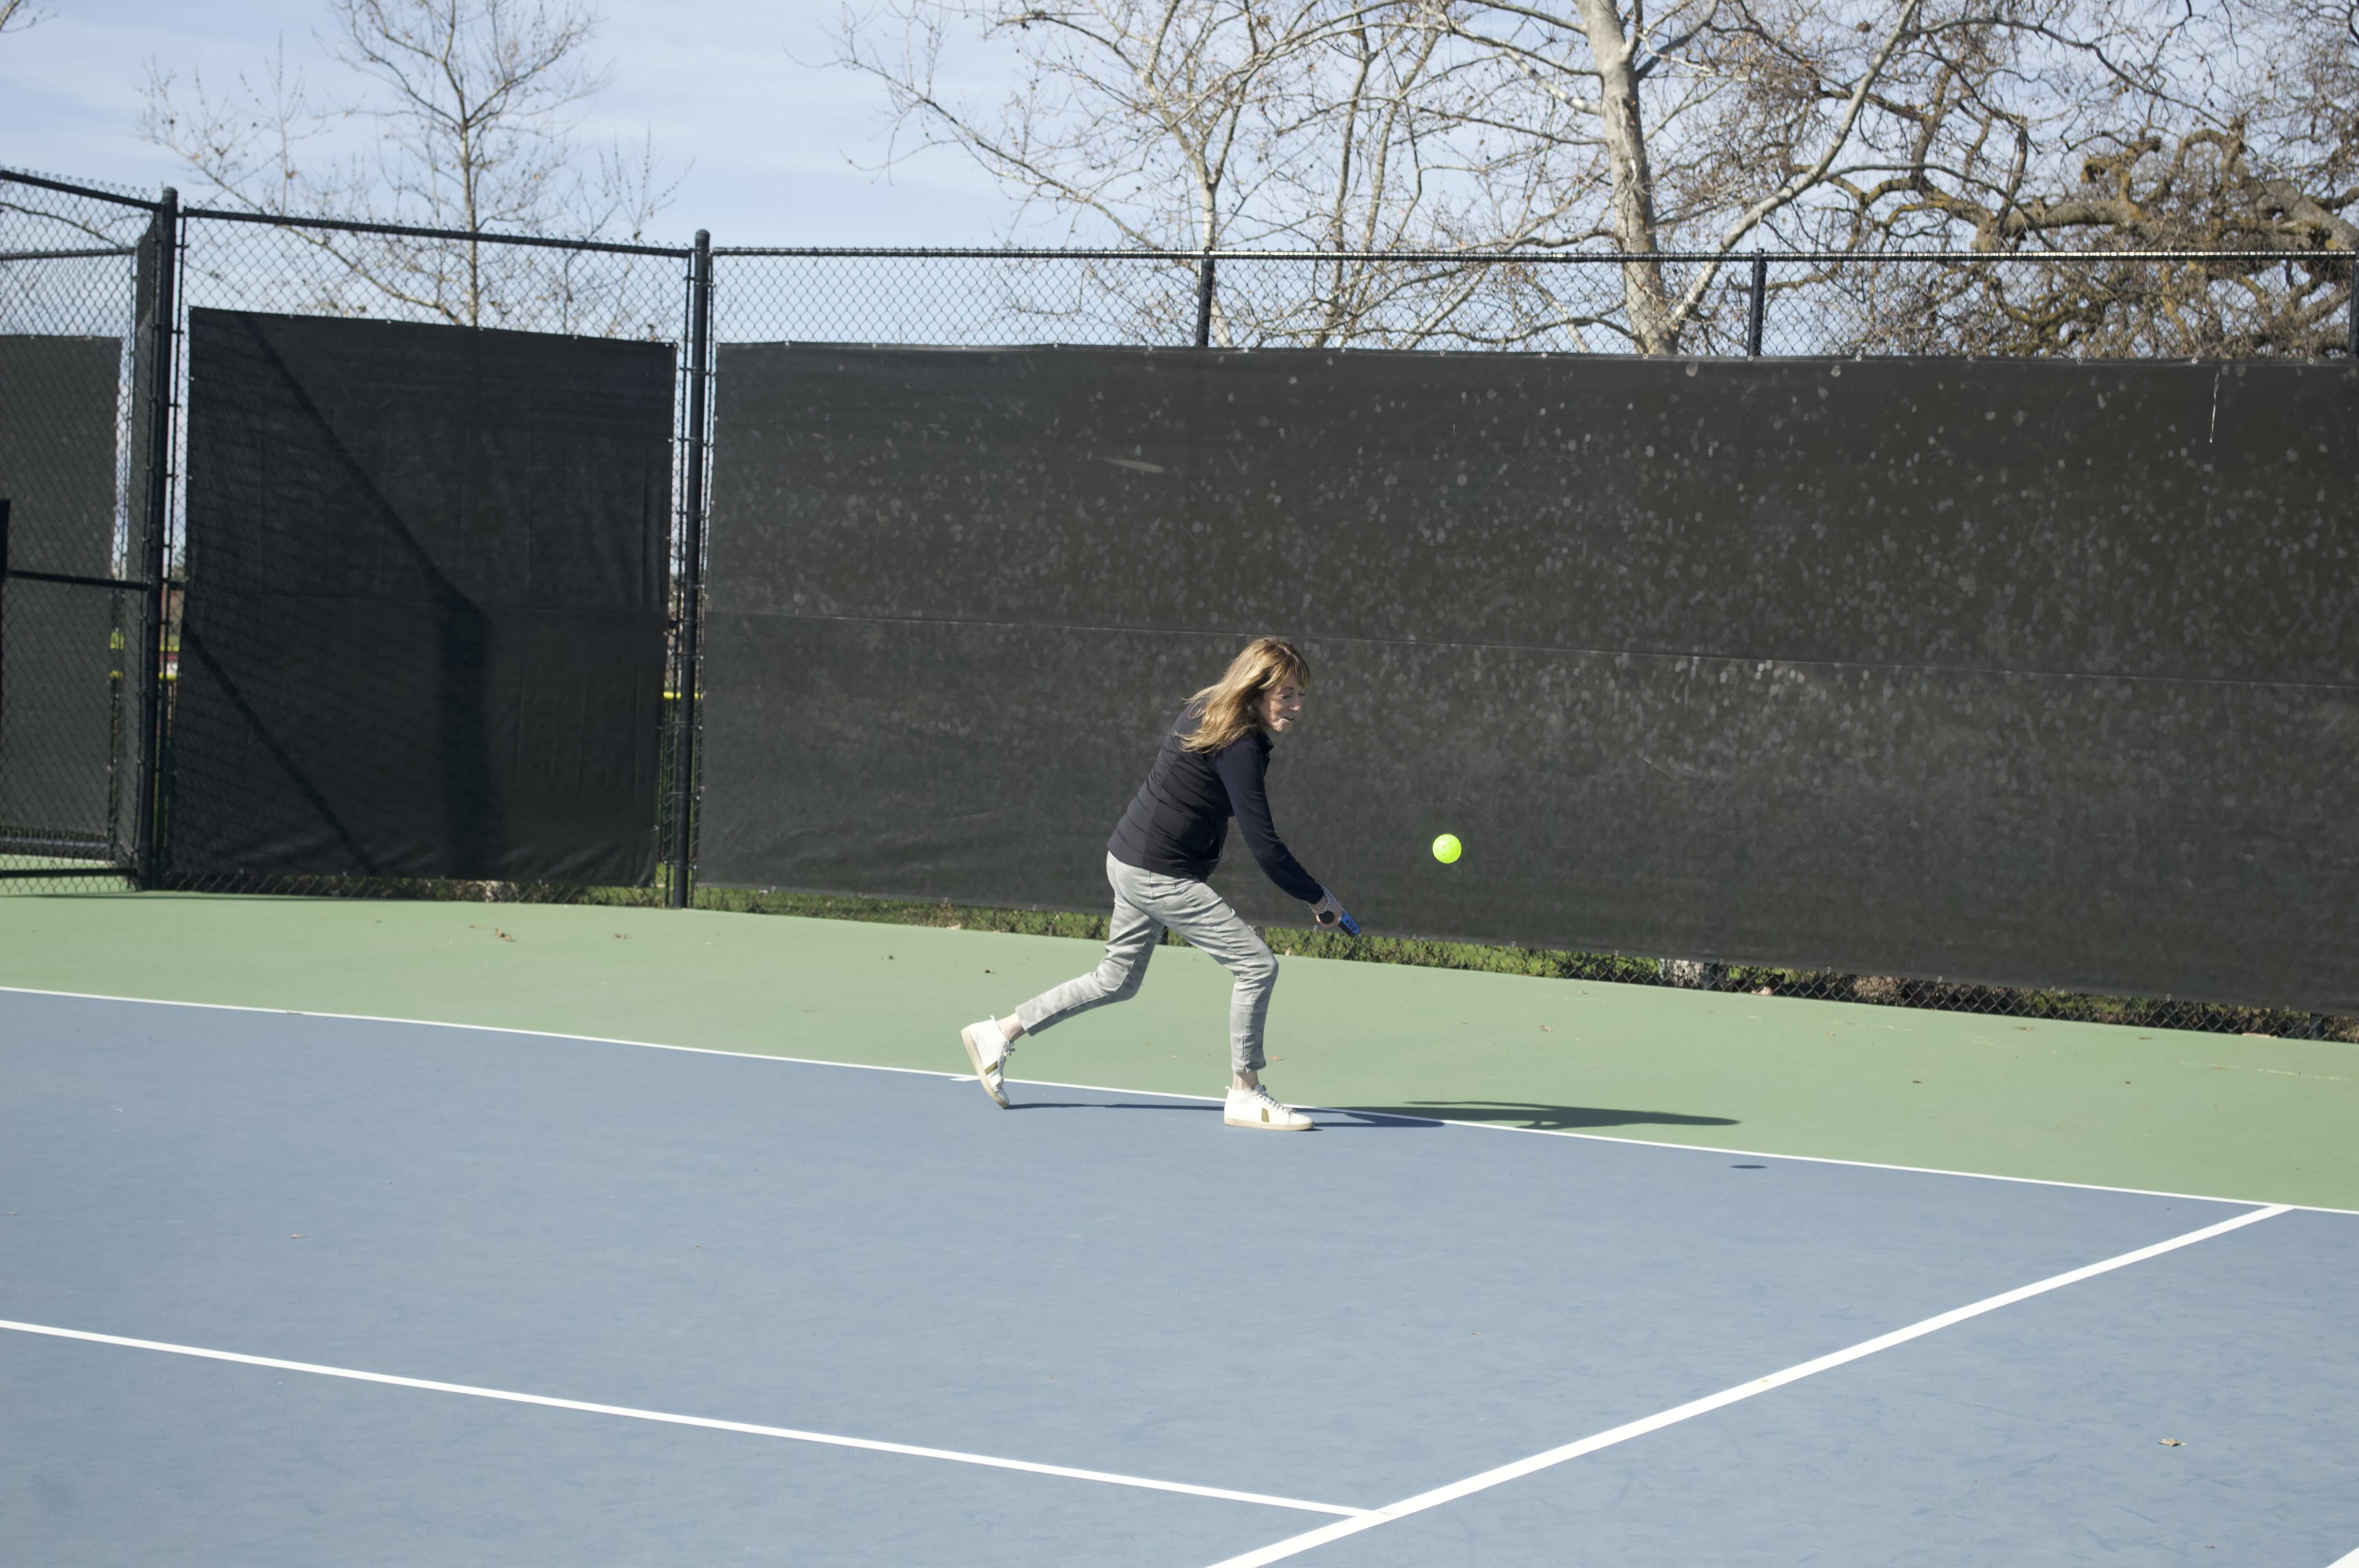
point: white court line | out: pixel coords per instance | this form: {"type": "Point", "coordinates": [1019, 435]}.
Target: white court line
{"type": "Point", "coordinates": [2349, 1560]}
{"type": "Point", "coordinates": [1656, 1143]}
{"type": "Point", "coordinates": [1306, 1542]}
{"type": "Point", "coordinates": [1173, 1094]}
{"type": "Point", "coordinates": [830, 1439]}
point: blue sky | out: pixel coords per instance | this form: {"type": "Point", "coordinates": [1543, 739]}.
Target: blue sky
{"type": "Point", "coordinates": [778, 148]}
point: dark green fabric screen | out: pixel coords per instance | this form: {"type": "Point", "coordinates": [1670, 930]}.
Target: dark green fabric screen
{"type": "Point", "coordinates": [426, 614]}
{"type": "Point", "coordinates": [2026, 672]}
{"type": "Point", "coordinates": [58, 400]}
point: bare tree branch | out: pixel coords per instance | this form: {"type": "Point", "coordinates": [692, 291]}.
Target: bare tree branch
{"type": "Point", "coordinates": [1870, 126]}
{"type": "Point", "coordinates": [464, 116]}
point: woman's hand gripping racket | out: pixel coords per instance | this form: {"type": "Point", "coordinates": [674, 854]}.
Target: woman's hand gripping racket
{"type": "Point", "coordinates": [1328, 912]}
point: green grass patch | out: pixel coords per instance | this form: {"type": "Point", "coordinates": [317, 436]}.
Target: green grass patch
{"type": "Point", "coordinates": [1480, 957]}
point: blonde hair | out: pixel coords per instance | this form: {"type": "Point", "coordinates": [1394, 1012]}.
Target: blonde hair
{"type": "Point", "coordinates": [1230, 708]}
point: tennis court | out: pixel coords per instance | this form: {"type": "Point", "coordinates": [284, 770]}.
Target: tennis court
{"type": "Point", "coordinates": [286, 1287]}
{"type": "Point", "coordinates": [374, 1228]}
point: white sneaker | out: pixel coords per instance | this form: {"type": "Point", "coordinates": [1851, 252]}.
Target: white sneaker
{"type": "Point", "coordinates": [1254, 1107]}
{"type": "Point", "coordinates": [988, 1048]}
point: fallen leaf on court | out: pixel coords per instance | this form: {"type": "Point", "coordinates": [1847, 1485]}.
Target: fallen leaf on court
{"type": "Point", "coordinates": [298, 1236]}
{"type": "Point", "coordinates": [2170, 1443]}
{"type": "Point", "coordinates": [1763, 991]}
{"type": "Point", "coordinates": [1545, 1030]}
{"type": "Point", "coordinates": [620, 937]}
{"type": "Point", "coordinates": [2256, 1034]}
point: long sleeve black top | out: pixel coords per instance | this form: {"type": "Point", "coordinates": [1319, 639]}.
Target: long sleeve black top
{"type": "Point", "coordinates": [1180, 818]}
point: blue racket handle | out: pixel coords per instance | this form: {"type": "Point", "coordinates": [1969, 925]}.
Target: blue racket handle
{"type": "Point", "coordinates": [1344, 918]}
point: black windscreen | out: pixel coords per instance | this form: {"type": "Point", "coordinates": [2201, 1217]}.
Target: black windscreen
{"type": "Point", "coordinates": [2024, 673]}
{"type": "Point", "coordinates": [426, 615]}
{"type": "Point", "coordinates": [58, 688]}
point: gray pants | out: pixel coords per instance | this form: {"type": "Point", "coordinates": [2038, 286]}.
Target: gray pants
{"type": "Point", "coordinates": [1144, 903]}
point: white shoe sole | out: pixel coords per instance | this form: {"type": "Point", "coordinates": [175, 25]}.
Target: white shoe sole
{"type": "Point", "coordinates": [975, 1059]}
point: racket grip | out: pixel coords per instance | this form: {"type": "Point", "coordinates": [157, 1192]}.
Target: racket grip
{"type": "Point", "coordinates": [1344, 918]}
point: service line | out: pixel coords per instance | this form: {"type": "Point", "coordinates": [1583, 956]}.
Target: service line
{"type": "Point", "coordinates": [1293, 1545]}
{"type": "Point", "coordinates": [1105, 1477]}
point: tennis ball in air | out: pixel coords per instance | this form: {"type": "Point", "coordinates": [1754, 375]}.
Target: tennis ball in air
{"type": "Point", "coordinates": [1445, 849]}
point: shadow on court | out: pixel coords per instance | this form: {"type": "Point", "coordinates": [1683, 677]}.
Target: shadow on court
{"type": "Point", "coordinates": [1425, 1114]}
{"type": "Point", "coordinates": [1014, 1104]}
{"type": "Point", "coordinates": [1520, 1113]}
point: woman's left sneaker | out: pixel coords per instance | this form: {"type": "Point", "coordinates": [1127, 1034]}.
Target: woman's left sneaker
{"type": "Point", "coordinates": [988, 1048]}
{"type": "Point", "coordinates": [1254, 1107]}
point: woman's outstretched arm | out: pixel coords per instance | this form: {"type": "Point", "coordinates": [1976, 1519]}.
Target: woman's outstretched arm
{"type": "Point", "coordinates": [1241, 768]}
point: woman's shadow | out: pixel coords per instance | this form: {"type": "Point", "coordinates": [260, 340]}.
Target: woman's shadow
{"type": "Point", "coordinates": [1431, 1113]}
{"type": "Point", "coordinates": [1526, 1114]}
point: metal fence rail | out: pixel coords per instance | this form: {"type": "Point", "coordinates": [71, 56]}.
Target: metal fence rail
{"type": "Point", "coordinates": [79, 259]}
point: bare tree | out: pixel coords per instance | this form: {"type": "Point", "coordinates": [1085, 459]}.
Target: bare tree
{"type": "Point", "coordinates": [1336, 125]}
{"type": "Point", "coordinates": [1461, 125]}
{"type": "Point", "coordinates": [464, 117]}
{"type": "Point", "coordinates": [1864, 126]}
{"type": "Point", "coordinates": [1691, 123]}
{"type": "Point", "coordinates": [2059, 134]}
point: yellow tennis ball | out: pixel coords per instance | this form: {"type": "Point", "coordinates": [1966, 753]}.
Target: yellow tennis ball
{"type": "Point", "coordinates": [1445, 849]}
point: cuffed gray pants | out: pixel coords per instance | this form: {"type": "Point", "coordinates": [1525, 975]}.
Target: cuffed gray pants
{"type": "Point", "coordinates": [1144, 903]}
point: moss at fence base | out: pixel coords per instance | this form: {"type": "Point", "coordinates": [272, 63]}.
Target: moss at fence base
{"type": "Point", "coordinates": [1551, 963]}
{"type": "Point", "coordinates": [1556, 963]}
{"type": "Point", "coordinates": [902, 911]}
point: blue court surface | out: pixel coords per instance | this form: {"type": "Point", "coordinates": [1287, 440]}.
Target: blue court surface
{"type": "Point", "coordinates": [885, 1322]}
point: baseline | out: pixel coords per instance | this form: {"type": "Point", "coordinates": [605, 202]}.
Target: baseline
{"type": "Point", "coordinates": [750, 1428]}
{"type": "Point", "coordinates": [1166, 1094]}
{"type": "Point", "coordinates": [1310, 1540]}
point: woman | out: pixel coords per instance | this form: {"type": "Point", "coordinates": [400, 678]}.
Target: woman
{"type": "Point", "coordinates": [1210, 769]}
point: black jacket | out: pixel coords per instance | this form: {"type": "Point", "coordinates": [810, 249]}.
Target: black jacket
{"type": "Point", "coordinates": [1180, 817]}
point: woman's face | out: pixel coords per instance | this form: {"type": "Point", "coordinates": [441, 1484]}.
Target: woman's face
{"type": "Point", "coordinates": [1281, 705]}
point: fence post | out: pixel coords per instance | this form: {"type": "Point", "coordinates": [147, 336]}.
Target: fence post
{"type": "Point", "coordinates": [2351, 308]}
{"type": "Point", "coordinates": [1753, 314]}
{"type": "Point", "coordinates": [1205, 300]}
{"type": "Point", "coordinates": [155, 511]}
{"type": "Point", "coordinates": [691, 572]}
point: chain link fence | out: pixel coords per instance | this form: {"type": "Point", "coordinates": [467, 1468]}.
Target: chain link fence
{"type": "Point", "coordinates": [84, 800]}
{"type": "Point", "coordinates": [83, 265]}
{"type": "Point", "coordinates": [2126, 304]}
{"type": "Point", "coordinates": [577, 289]}
{"type": "Point", "coordinates": [2099, 305]}
{"type": "Point", "coordinates": [78, 271]}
